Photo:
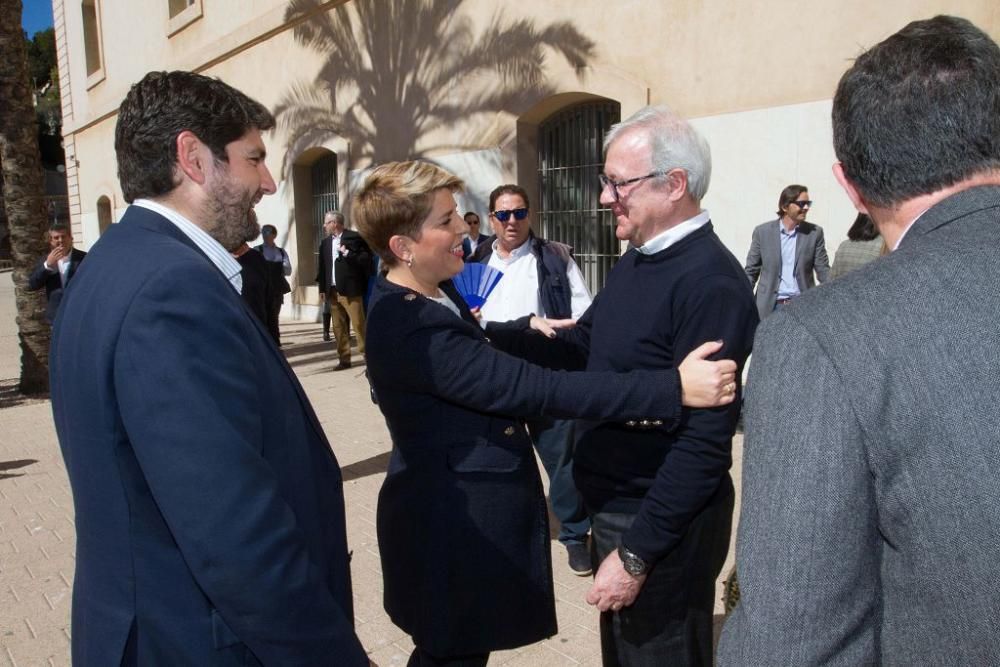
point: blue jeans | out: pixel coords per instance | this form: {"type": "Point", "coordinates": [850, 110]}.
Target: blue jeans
{"type": "Point", "coordinates": [554, 439]}
{"type": "Point", "coordinates": [670, 622]}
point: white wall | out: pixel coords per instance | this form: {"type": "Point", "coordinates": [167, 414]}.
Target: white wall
{"type": "Point", "coordinates": [755, 154]}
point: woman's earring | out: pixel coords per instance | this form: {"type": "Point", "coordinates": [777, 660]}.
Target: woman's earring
{"type": "Point", "coordinates": [409, 262]}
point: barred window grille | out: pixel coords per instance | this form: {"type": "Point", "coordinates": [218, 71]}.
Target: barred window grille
{"type": "Point", "coordinates": [324, 196]}
{"type": "Point", "coordinates": [570, 156]}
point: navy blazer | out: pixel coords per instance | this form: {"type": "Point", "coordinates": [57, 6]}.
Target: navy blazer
{"type": "Point", "coordinates": [52, 282]}
{"type": "Point", "coordinates": [209, 506]}
{"type": "Point", "coordinates": [462, 523]}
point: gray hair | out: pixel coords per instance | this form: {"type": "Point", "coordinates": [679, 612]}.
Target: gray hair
{"type": "Point", "coordinates": [674, 144]}
{"type": "Point", "coordinates": [337, 215]}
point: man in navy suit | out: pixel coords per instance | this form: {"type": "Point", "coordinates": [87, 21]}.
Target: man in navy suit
{"type": "Point", "coordinates": [209, 506]}
{"type": "Point", "coordinates": [57, 268]}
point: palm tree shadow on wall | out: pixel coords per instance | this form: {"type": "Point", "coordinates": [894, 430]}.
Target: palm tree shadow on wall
{"type": "Point", "coordinates": [395, 71]}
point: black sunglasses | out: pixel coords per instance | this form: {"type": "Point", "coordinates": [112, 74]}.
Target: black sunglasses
{"type": "Point", "coordinates": [504, 216]}
{"type": "Point", "coordinates": [805, 203]}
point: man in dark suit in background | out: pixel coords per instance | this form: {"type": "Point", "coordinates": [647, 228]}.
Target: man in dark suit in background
{"type": "Point", "coordinates": [870, 495]}
{"type": "Point", "coordinates": [257, 288]}
{"type": "Point", "coordinates": [277, 267]}
{"type": "Point", "coordinates": [785, 253]}
{"type": "Point", "coordinates": [345, 262]}
{"type": "Point", "coordinates": [57, 268]}
{"type": "Point", "coordinates": [209, 506]}
{"type": "Point", "coordinates": [475, 238]}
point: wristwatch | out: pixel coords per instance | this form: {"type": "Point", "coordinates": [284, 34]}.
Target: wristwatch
{"type": "Point", "coordinates": [634, 565]}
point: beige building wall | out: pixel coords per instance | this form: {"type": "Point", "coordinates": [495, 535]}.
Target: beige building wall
{"type": "Point", "coordinates": [756, 78]}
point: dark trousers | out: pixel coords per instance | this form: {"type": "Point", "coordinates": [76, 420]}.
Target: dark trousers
{"type": "Point", "coordinates": [421, 658]}
{"type": "Point", "coordinates": [670, 622]}
{"type": "Point", "coordinates": [273, 310]}
{"type": "Point", "coordinates": [554, 439]}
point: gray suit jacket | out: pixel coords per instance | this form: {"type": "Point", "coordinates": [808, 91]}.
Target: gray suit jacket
{"type": "Point", "coordinates": [764, 261]}
{"type": "Point", "coordinates": [871, 506]}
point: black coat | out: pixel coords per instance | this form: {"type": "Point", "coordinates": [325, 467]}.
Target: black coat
{"type": "Point", "coordinates": [462, 523]}
{"type": "Point", "coordinates": [53, 283]}
{"type": "Point", "coordinates": [351, 271]}
{"type": "Point", "coordinates": [257, 288]}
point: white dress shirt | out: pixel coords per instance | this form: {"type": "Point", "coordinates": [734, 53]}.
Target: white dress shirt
{"type": "Point", "coordinates": [334, 252]}
{"type": "Point", "coordinates": [61, 267]}
{"type": "Point", "coordinates": [218, 255]}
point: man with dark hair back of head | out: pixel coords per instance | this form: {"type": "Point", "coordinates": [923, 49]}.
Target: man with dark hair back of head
{"type": "Point", "coordinates": [57, 268]}
{"type": "Point", "coordinates": [868, 533]}
{"type": "Point", "coordinates": [195, 542]}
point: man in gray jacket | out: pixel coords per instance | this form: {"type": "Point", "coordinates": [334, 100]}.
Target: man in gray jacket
{"type": "Point", "coordinates": [785, 253]}
{"type": "Point", "coordinates": [871, 506]}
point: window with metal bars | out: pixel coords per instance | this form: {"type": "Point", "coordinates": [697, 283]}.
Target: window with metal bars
{"type": "Point", "coordinates": [324, 196]}
{"type": "Point", "coordinates": [570, 156]}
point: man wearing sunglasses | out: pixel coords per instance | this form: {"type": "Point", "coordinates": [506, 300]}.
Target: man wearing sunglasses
{"type": "Point", "coordinates": [475, 238]}
{"type": "Point", "coordinates": [785, 253]}
{"type": "Point", "coordinates": [541, 278]}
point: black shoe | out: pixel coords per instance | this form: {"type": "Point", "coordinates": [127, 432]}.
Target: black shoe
{"type": "Point", "coordinates": [343, 365]}
{"type": "Point", "coordinates": [326, 337]}
{"type": "Point", "coordinates": [579, 558]}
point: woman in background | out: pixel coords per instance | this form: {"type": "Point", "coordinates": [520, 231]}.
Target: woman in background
{"type": "Point", "coordinates": [461, 521]}
{"type": "Point", "coordinates": [864, 244]}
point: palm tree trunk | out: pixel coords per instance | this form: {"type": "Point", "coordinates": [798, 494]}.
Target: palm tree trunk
{"type": "Point", "coordinates": [23, 197]}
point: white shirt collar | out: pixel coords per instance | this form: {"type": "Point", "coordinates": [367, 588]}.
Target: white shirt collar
{"type": "Point", "coordinates": [908, 228]}
{"type": "Point", "coordinates": [519, 251]}
{"type": "Point", "coordinates": [667, 238]}
{"type": "Point", "coordinates": [218, 255]}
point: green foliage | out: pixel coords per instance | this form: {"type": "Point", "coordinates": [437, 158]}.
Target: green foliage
{"type": "Point", "coordinates": [42, 58]}
{"type": "Point", "coordinates": [44, 75]}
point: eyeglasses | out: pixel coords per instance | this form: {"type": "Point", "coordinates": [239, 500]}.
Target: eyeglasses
{"type": "Point", "coordinates": [614, 185]}
{"type": "Point", "coordinates": [504, 215]}
{"type": "Point", "coordinates": [805, 203]}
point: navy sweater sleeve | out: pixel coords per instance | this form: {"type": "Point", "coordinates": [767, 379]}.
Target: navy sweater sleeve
{"type": "Point", "coordinates": [653, 311]}
{"type": "Point", "coordinates": [717, 308]}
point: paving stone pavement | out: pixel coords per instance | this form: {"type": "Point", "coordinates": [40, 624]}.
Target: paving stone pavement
{"type": "Point", "coordinates": [37, 539]}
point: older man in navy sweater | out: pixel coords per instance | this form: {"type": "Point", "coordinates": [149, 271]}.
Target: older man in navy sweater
{"type": "Point", "coordinates": [660, 499]}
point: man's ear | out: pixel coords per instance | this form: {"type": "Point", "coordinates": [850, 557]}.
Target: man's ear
{"type": "Point", "coordinates": [192, 156]}
{"type": "Point", "coordinates": [677, 184]}
{"type": "Point", "coordinates": [849, 188]}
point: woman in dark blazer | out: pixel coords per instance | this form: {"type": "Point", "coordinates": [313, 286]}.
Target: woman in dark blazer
{"type": "Point", "coordinates": [462, 524]}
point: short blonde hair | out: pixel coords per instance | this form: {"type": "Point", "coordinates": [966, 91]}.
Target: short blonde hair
{"type": "Point", "coordinates": [395, 200]}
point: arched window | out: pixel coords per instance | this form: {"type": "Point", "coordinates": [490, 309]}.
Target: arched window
{"type": "Point", "coordinates": [569, 158]}
{"type": "Point", "coordinates": [314, 178]}
{"type": "Point", "coordinates": [103, 214]}
{"type": "Point", "coordinates": [324, 194]}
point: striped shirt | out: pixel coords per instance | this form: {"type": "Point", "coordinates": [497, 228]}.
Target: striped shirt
{"type": "Point", "coordinates": [218, 255]}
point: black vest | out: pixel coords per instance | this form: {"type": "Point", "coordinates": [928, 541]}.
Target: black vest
{"type": "Point", "coordinates": [552, 258]}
